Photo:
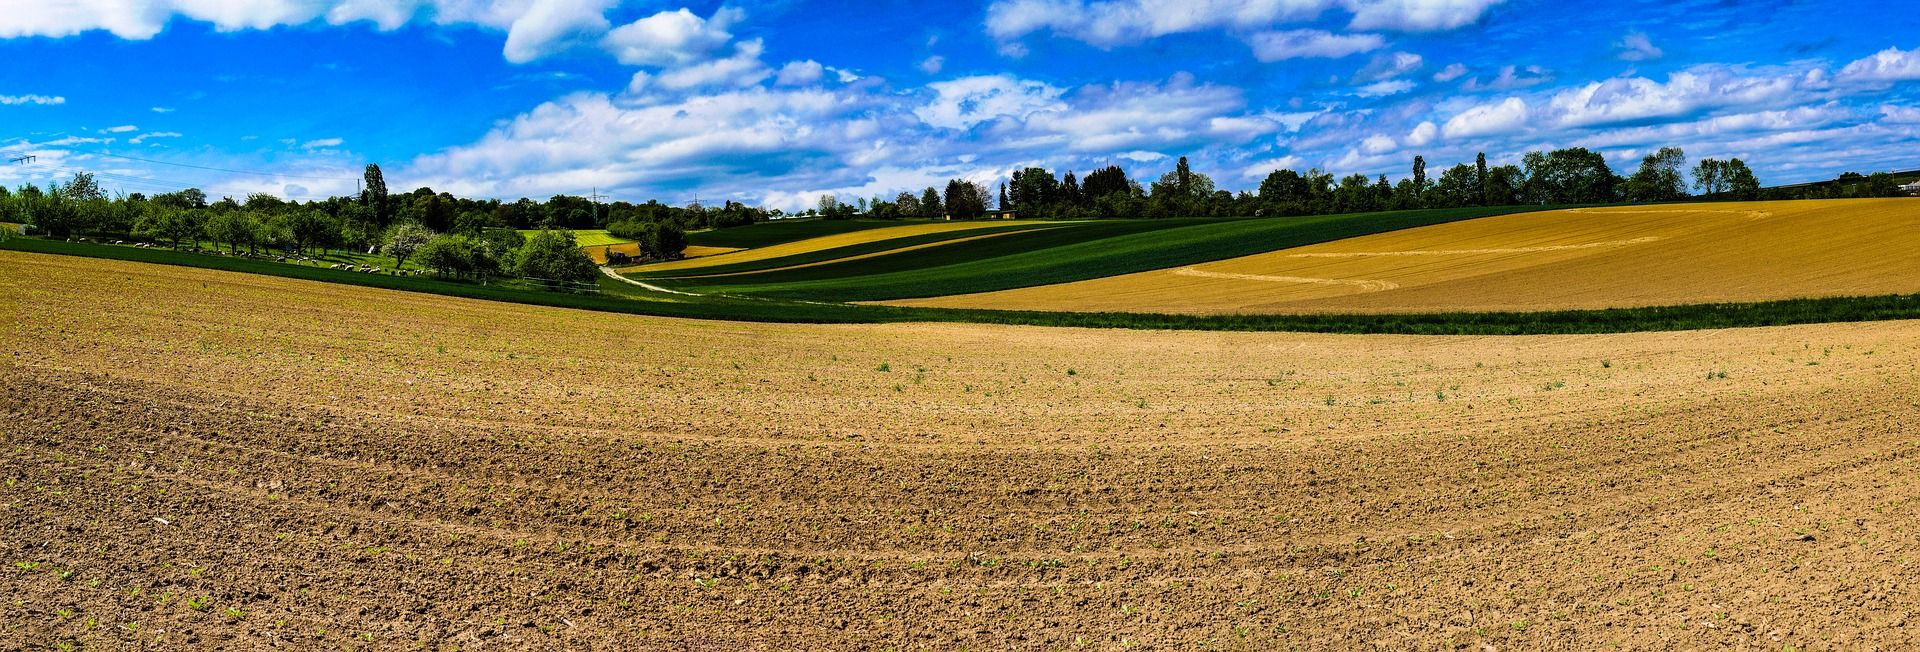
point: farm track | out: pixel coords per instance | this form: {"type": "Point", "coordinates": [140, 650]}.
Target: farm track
{"type": "Point", "coordinates": [355, 467]}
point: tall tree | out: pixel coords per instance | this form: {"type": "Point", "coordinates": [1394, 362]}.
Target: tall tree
{"type": "Point", "coordinates": [930, 204]}
{"type": "Point", "coordinates": [374, 195]}
{"type": "Point", "coordinates": [1741, 183]}
{"type": "Point", "coordinates": [83, 188]}
{"type": "Point", "coordinates": [1659, 178]}
{"type": "Point", "coordinates": [1480, 176]}
{"type": "Point", "coordinates": [1419, 175]}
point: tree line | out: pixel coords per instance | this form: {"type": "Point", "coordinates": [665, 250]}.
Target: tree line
{"type": "Point", "coordinates": [1566, 176]}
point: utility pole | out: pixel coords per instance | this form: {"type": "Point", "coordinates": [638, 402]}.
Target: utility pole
{"type": "Point", "coordinates": [596, 197]}
{"type": "Point", "coordinates": [23, 159]}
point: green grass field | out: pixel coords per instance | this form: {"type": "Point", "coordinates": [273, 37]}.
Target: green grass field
{"type": "Point", "coordinates": [783, 231]}
{"type": "Point", "coordinates": [1101, 248]}
{"type": "Point", "coordinates": [624, 298]}
{"type": "Point", "coordinates": [586, 238]}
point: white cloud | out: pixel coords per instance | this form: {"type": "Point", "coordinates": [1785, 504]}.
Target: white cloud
{"type": "Point", "coordinates": [932, 65]}
{"type": "Point", "coordinates": [1311, 43]}
{"type": "Point", "coordinates": [1378, 144]}
{"type": "Point", "coordinates": [322, 143]}
{"type": "Point", "coordinates": [1889, 65]}
{"type": "Point", "coordinates": [1142, 156]}
{"type": "Point", "coordinates": [799, 73]}
{"type": "Point", "coordinates": [1488, 119]}
{"type": "Point", "coordinates": [1260, 169]}
{"type": "Point", "coordinates": [744, 68]}
{"type": "Point", "coordinates": [1450, 73]}
{"type": "Point", "coordinates": [1422, 134]}
{"type": "Point", "coordinates": [968, 101]}
{"type": "Point", "coordinates": [1417, 15]}
{"type": "Point", "coordinates": [1636, 46]}
{"type": "Point", "coordinates": [534, 29]}
{"type": "Point", "coordinates": [551, 25]}
{"type": "Point", "coordinates": [1384, 88]}
{"type": "Point", "coordinates": [162, 109]}
{"type": "Point", "coordinates": [1109, 23]}
{"type": "Point", "coordinates": [1389, 66]}
{"type": "Point", "coordinates": [48, 100]}
{"type": "Point", "coordinates": [1627, 99]}
{"type": "Point", "coordinates": [157, 134]}
{"type": "Point", "coordinates": [120, 129]}
{"type": "Point", "coordinates": [671, 38]}
{"type": "Point", "coordinates": [1905, 115]}
{"type": "Point", "coordinates": [734, 142]}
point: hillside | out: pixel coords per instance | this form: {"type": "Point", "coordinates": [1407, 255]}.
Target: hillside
{"type": "Point", "coordinates": [1554, 260]}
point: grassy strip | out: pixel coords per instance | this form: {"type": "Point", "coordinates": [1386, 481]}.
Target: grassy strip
{"type": "Point", "coordinates": [964, 270]}
{"type": "Point", "coordinates": [783, 231]}
{"type": "Point", "coordinates": [623, 298]}
{"type": "Point", "coordinates": [835, 253]}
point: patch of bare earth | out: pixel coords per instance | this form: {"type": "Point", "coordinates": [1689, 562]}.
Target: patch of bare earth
{"type": "Point", "coordinates": [197, 458]}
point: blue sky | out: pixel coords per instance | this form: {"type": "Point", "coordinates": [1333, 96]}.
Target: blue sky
{"type": "Point", "coordinates": [779, 102]}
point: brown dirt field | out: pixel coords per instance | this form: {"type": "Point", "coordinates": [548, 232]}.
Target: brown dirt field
{"type": "Point", "coordinates": [1552, 260]}
{"type": "Point", "coordinates": [349, 467]}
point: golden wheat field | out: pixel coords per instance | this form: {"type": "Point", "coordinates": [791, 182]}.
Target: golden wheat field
{"type": "Point", "coordinates": [821, 243]}
{"type": "Point", "coordinates": [1581, 258]}
{"type": "Point", "coordinates": [263, 462]}
{"type": "Point", "coordinates": [599, 253]}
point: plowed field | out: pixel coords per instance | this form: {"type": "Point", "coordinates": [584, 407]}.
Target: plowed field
{"type": "Point", "coordinates": [212, 460]}
{"type": "Point", "coordinates": [1572, 259]}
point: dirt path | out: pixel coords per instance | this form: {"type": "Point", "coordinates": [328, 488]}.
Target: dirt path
{"type": "Point", "coordinates": [348, 467]}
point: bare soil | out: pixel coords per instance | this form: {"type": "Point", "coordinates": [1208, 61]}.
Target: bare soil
{"type": "Point", "coordinates": [197, 459]}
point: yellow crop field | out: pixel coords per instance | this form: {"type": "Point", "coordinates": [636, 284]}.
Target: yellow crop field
{"type": "Point", "coordinates": [820, 244]}
{"type": "Point", "coordinates": [1567, 259]}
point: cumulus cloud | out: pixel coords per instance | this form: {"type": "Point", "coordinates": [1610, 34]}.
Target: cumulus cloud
{"type": "Point", "coordinates": [1636, 46]}
{"type": "Point", "coordinates": [1311, 43]}
{"type": "Point", "coordinates": [743, 68]}
{"type": "Point", "coordinates": [968, 101]}
{"type": "Point", "coordinates": [1422, 134]}
{"type": "Point", "coordinates": [1900, 115]}
{"type": "Point", "coordinates": [1389, 66]}
{"type": "Point", "coordinates": [1889, 65]}
{"type": "Point", "coordinates": [49, 100]}
{"type": "Point", "coordinates": [730, 141]}
{"type": "Point", "coordinates": [157, 134]}
{"type": "Point", "coordinates": [1488, 119]}
{"type": "Point", "coordinates": [800, 73]}
{"type": "Point", "coordinates": [552, 25]}
{"type": "Point", "coordinates": [534, 29]}
{"type": "Point", "coordinates": [1627, 99]}
{"type": "Point", "coordinates": [1417, 15]}
{"type": "Point", "coordinates": [1110, 23]}
{"type": "Point", "coordinates": [1384, 88]}
{"type": "Point", "coordinates": [1450, 73]}
{"type": "Point", "coordinates": [671, 38]}
{"type": "Point", "coordinates": [1378, 144]}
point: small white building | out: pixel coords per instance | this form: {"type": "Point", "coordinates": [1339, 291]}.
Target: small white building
{"type": "Point", "coordinates": [1911, 188]}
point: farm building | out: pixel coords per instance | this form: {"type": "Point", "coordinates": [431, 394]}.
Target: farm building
{"type": "Point", "coordinates": [1911, 188]}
